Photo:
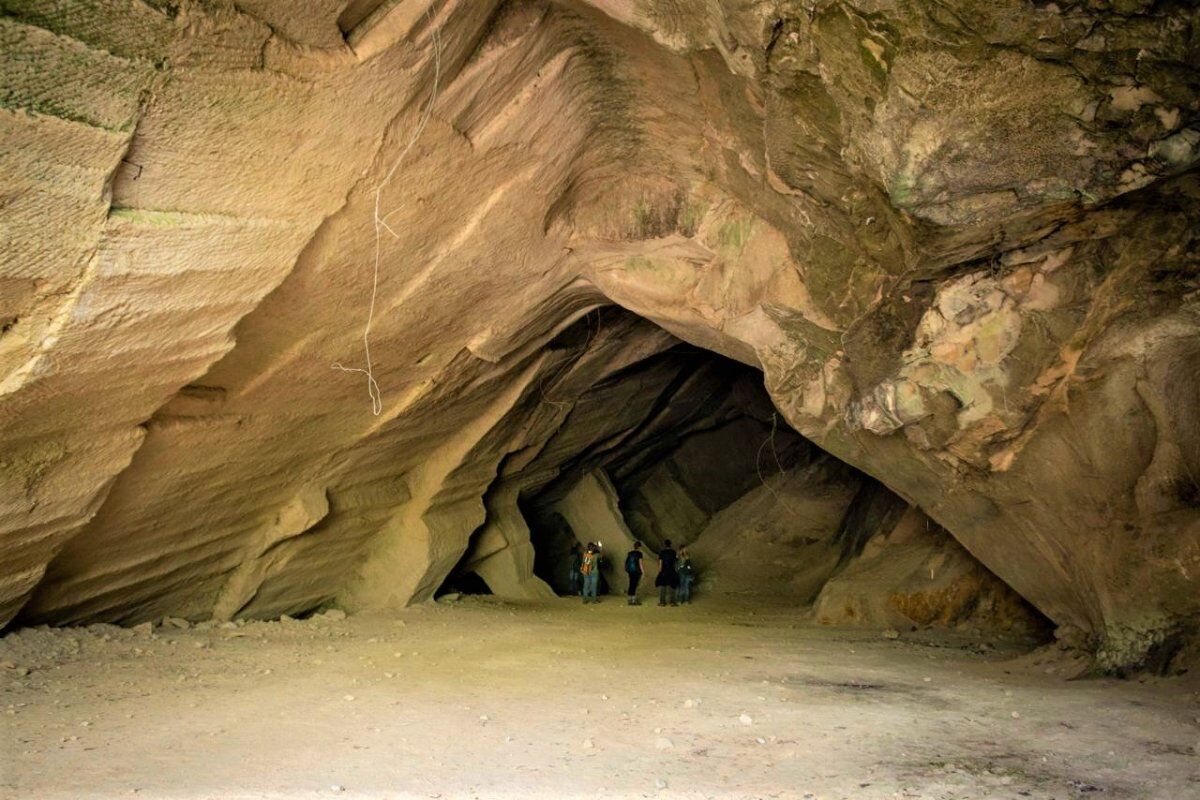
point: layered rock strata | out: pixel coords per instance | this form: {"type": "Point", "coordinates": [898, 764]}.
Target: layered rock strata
{"type": "Point", "coordinates": [959, 242]}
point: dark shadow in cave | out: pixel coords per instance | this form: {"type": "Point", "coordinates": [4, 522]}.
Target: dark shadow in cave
{"type": "Point", "coordinates": [552, 538]}
{"type": "Point", "coordinates": [467, 582]}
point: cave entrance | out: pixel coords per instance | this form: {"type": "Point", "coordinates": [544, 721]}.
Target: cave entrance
{"type": "Point", "coordinates": [655, 440]}
{"type": "Point", "coordinates": [696, 433]}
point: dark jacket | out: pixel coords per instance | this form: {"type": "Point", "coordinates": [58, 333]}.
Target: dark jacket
{"type": "Point", "coordinates": [667, 576]}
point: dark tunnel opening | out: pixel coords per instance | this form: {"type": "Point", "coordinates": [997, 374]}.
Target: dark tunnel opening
{"type": "Point", "coordinates": [683, 444]}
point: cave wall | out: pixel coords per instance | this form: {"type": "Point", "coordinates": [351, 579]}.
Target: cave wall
{"type": "Point", "coordinates": [959, 243]}
{"type": "Point", "coordinates": [780, 539]}
{"type": "Point", "coordinates": [592, 511]}
{"type": "Point", "coordinates": [912, 574]}
{"type": "Point", "coordinates": [677, 497]}
{"type": "Point", "coordinates": [989, 221]}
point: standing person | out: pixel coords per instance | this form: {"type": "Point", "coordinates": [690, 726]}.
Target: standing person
{"type": "Point", "coordinates": [687, 573]}
{"type": "Point", "coordinates": [576, 564]}
{"type": "Point", "coordinates": [667, 578]}
{"type": "Point", "coordinates": [590, 569]}
{"type": "Point", "coordinates": [633, 568]}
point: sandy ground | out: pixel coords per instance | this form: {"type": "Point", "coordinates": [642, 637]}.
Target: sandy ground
{"type": "Point", "coordinates": [477, 699]}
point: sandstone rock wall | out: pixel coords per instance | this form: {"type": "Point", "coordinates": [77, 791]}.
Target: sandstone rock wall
{"type": "Point", "coordinates": [959, 242]}
{"type": "Point", "coordinates": [914, 576]}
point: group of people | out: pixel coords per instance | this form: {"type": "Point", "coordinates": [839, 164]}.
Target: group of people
{"type": "Point", "coordinates": [674, 580]}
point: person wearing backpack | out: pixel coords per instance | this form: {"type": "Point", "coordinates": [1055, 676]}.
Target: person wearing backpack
{"type": "Point", "coordinates": [589, 568]}
{"type": "Point", "coordinates": [687, 573]}
{"type": "Point", "coordinates": [633, 568]}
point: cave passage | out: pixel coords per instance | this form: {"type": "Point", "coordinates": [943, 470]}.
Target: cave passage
{"type": "Point", "coordinates": [684, 445]}
{"type": "Point", "coordinates": [712, 438]}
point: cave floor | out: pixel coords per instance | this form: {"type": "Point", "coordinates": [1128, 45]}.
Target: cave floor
{"type": "Point", "coordinates": [481, 699]}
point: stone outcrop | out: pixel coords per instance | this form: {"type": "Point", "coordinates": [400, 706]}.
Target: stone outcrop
{"type": "Point", "coordinates": [959, 243]}
{"type": "Point", "coordinates": [781, 538]}
{"type": "Point", "coordinates": [914, 576]}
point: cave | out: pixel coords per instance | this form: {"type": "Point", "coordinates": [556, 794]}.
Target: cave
{"type": "Point", "coordinates": [328, 329]}
{"type": "Point", "coordinates": [676, 444]}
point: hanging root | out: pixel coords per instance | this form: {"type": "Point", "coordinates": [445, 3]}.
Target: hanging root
{"type": "Point", "coordinates": [758, 465]}
{"type": "Point", "coordinates": [381, 225]}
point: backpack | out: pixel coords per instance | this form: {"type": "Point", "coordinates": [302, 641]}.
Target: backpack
{"type": "Point", "coordinates": [631, 561]}
{"type": "Point", "coordinates": [589, 559]}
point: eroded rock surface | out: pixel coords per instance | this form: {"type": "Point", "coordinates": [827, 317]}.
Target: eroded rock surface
{"type": "Point", "coordinates": [959, 242]}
